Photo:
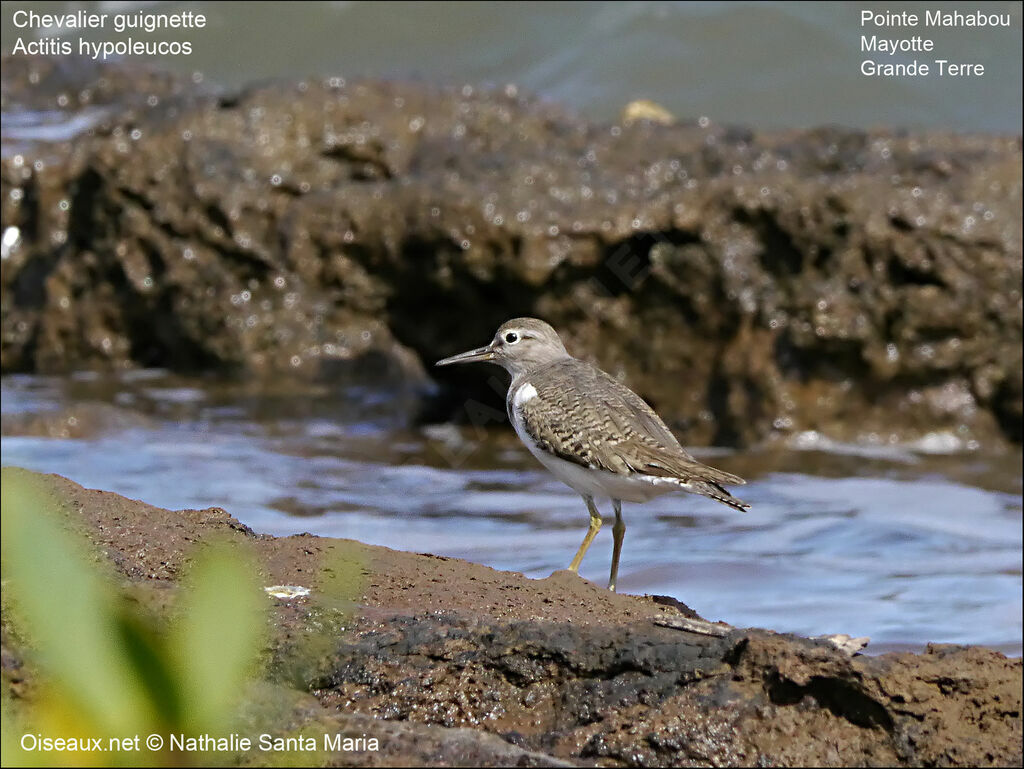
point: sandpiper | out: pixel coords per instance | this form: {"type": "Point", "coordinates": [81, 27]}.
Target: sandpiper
{"type": "Point", "coordinates": [593, 433]}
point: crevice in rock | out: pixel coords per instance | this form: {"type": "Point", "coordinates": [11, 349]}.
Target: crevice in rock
{"type": "Point", "coordinates": [842, 698]}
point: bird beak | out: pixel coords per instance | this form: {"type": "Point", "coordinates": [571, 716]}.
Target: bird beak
{"type": "Point", "coordinates": [472, 356]}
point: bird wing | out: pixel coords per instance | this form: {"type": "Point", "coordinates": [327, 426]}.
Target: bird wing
{"type": "Point", "coordinates": [583, 415]}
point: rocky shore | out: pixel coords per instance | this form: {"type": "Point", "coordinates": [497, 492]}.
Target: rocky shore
{"type": "Point", "coordinates": [748, 284]}
{"type": "Point", "coordinates": [451, 663]}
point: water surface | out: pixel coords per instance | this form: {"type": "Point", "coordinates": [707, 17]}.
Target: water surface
{"type": "Point", "coordinates": [898, 543]}
{"type": "Point", "coordinates": [762, 64]}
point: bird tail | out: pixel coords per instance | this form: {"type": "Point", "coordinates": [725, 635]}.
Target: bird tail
{"type": "Point", "coordinates": [693, 476]}
{"type": "Point", "coordinates": [717, 493]}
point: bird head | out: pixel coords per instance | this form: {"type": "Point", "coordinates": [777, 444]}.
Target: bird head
{"type": "Point", "coordinates": [518, 345]}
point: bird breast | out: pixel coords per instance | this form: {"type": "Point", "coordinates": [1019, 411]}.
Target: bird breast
{"type": "Point", "coordinates": [588, 481]}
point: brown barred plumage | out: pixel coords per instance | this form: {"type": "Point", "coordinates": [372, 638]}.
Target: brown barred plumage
{"type": "Point", "coordinates": [593, 433]}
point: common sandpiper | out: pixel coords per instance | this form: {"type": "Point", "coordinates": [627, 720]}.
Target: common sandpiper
{"type": "Point", "coordinates": [593, 433]}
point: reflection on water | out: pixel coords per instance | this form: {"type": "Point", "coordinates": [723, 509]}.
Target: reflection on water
{"type": "Point", "coordinates": [904, 546]}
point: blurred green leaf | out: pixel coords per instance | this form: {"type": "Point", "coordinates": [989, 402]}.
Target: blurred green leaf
{"type": "Point", "coordinates": [68, 611]}
{"type": "Point", "coordinates": [217, 635]}
{"type": "Point", "coordinates": [146, 654]}
{"type": "Point", "coordinates": [101, 665]}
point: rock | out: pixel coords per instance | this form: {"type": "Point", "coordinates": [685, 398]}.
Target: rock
{"type": "Point", "coordinates": [865, 285]}
{"type": "Point", "coordinates": [398, 743]}
{"type": "Point", "coordinates": [453, 663]}
{"type": "Point", "coordinates": [645, 109]}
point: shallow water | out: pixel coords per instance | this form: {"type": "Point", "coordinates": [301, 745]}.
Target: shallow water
{"type": "Point", "coordinates": [899, 543]}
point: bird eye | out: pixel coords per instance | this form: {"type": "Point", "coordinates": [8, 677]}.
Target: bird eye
{"type": "Point", "coordinates": [511, 337]}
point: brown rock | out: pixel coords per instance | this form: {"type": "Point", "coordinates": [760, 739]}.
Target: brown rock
{"type": "Point", "coordinates": [748, 284]}
{"type": "Point", "coordinates": [451, 662]}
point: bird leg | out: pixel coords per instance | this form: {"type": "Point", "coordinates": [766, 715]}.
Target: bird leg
{"type": "Point", "coordinates": [618, 532]}
{"type": "Point", "coordinates": [595, 524]}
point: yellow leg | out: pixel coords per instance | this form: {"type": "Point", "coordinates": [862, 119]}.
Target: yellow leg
{"type": "Point", "coordinates": [595, 524]}
{"type": "Point", "coordinates": [618, 532]}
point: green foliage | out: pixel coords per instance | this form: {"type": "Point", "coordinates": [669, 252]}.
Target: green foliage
{"type": "Point", "coordinates": [300, 661]}
{"type": "Point", "coordinates": [102, 666]}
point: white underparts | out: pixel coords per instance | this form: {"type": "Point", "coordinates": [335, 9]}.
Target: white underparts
{"type": "Point", "coordinates": [526, 392]}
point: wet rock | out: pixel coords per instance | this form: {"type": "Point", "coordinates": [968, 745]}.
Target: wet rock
{"type": "Point", "coordinates": [78, 422]}
{"type": "Point", "coordinates": [865, 285]}
{"type": "Point", "coordinates": [452, 663]}
{"type": "Point", "coordinates": [645, 697]}
{"type": "Point", "coordinates": [397, 743]}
